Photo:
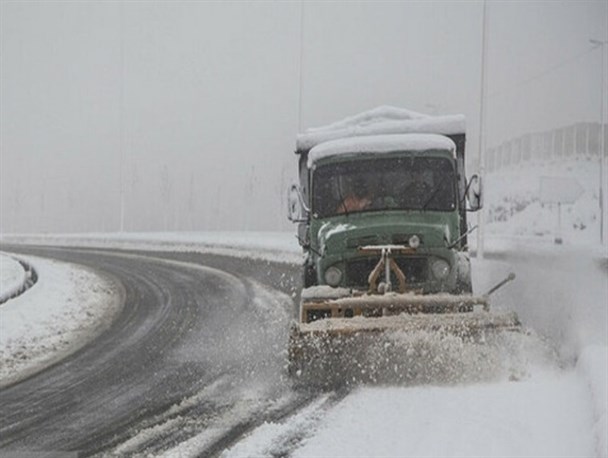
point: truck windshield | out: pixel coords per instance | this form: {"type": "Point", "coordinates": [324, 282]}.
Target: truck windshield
{"type": "Point", "coordinates": [408, 183]}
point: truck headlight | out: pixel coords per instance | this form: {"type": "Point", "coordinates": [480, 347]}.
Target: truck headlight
{"type": "Point", "coordinates": [333, 276]}
{"type": "Point", "coordinates": [440, 269]}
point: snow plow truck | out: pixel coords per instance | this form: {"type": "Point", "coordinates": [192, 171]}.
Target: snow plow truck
{"type": "Point", "coordinates": [381, 210]}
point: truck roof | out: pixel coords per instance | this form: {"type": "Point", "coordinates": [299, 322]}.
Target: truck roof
{"type": "Point", "coordinates": [380, 144]}
{"type": "Point", "coordinates": [382, 120]}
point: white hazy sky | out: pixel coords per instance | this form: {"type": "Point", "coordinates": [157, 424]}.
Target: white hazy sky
{"type": "Point", "coordinates": [196, 104]}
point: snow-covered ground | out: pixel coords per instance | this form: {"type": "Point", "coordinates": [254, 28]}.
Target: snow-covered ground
{"type": "Point", "coordinates": [516, 212]}
{"type": "Point", "coordinates": [557, 408]}
{"type": "Point", "coordinates": [12, 276]}
{"type": "Point", "coordinates": [548, 416]}
{"type": "Point", "coordinates": [67, 307]}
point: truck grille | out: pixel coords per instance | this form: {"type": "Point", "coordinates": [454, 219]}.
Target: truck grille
{"type": "Point", "coordinates": [414, 268]}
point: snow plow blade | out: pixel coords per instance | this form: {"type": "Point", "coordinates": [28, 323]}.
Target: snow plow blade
{"type": "Point", "coordinates": [403, 338]}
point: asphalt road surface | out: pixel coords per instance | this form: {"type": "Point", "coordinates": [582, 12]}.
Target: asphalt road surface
{"type": "Point", "coordinates": [197, 354]}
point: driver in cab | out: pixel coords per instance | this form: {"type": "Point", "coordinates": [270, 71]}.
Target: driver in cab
{"type": "Point", "coordinates": [358, 199]}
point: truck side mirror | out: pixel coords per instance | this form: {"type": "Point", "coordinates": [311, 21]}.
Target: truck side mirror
{"type": "Point", "coordinates": [296, 209]}
{"type": "Point", "coordinates": [474, 193]}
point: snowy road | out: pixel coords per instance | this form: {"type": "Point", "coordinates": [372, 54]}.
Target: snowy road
{"type": "Point", "coordinates": [194, 367]}
{"type": "Point", "coordinates": [195, 348]}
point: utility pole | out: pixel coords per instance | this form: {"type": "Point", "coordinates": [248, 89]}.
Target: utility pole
{"type": "Point", "coordinates": [301, 66]}
{"type": "Point", "coordinates": [121, 117]}
{"type": "Point", "coordinates": [603, 173]}
{"type": "Point", "coordinates": [482, 139]}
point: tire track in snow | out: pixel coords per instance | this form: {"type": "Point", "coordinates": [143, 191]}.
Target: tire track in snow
{"type": "Point", "coordinates": [185, 328]}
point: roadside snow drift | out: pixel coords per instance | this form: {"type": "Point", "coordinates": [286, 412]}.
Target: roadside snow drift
{"type": "Point", "coordinates": [547, 415]}
{"type": "Point", "coordinates": [12, 277]}
{"type": "Point", "coordinates": [67, 307]}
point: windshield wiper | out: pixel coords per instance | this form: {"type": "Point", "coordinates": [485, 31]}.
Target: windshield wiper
{"type": "Point", "coordinates": [430, 199]}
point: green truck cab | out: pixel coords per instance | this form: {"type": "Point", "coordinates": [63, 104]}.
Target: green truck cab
{"type": "Point", "coordinates": [397, 179]}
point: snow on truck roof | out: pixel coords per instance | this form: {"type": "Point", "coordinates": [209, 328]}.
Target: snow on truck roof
{"type": "Point", "coordinates": [382, 120]}
{"type": "Point", "coordinates": [379, 144]}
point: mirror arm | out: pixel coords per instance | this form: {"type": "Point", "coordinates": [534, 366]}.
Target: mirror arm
{"type": "Point", "coordinates": [303, 243]}
{"type": "Point", "coordinates": [453, 244]}
{"type": "Point", "coordinates": [302, 203]}
{"type": "Point", "coordinates": [466, 189]}
{"type": "Point", "coordinates": [308, 246]}
{"type": "Point", "coordinates": [466, 192]}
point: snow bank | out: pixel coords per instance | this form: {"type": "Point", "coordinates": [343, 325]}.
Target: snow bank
{"type": "Point", "coordinates": [593, 368]}
{"type": "Point", "coordinates": [12, 277]}
{"type": "Point", "coordinates": [515, 210]}
{"type": "Point", "coordinates": [67, 307]}
{"type": "Point", "coordinates": [562, 289]}
{"type": "Point", "coordinates": [547, 415]}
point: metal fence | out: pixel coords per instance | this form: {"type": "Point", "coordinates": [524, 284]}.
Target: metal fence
{"type": "Point", "coordinates": [580, 140]}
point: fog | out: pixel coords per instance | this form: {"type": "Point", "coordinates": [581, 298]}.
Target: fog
{"type": "Point", "coordinates": [186, 112]}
